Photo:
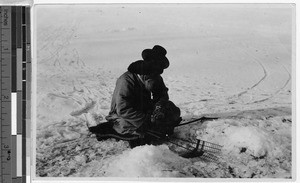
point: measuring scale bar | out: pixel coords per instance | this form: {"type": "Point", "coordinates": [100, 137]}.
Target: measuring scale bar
{"type": "Point", "coordinates": [6, 138]}
{"type": "Point", "coordinates": [15, 55]}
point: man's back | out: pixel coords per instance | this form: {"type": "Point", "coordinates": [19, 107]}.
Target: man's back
{"type": "Point", "coordinates": [130, 103]}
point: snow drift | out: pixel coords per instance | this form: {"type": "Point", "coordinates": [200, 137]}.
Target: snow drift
{"type": "Point", "coordinates": [148, 161]}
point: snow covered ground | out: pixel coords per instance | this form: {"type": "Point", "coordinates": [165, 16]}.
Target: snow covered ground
{"type": "Point", "coordinates": [227, 61]}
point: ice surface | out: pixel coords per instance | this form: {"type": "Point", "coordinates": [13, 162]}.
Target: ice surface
{"type": "Point", "coordinates": [230, 61]}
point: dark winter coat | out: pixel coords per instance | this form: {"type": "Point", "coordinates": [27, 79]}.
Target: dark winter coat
{"type": "Point", "coordinates": [132, 104]}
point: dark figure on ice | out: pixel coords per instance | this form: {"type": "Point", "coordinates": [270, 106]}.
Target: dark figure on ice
{"type": "Point", "coordinates": [141, 112]}
{"type": "Point", "coordinates": [140, 100]}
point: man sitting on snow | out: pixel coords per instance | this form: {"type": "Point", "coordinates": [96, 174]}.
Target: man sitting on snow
{"type": "Point", "coordinates": [140, 100]}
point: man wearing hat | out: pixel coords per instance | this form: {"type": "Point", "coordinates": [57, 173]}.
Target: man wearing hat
{"type": "Point", "coordinates": [140, 94]}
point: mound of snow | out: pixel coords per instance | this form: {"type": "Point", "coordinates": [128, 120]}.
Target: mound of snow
{"type": "Point", "coordinates": [252, 147]}
{"type": "Point", "coordinates": [254, 137]}
{"type": "Point", "coordinates": [147, 161]}
{"type": "Point", "coordinates": [250, 139]}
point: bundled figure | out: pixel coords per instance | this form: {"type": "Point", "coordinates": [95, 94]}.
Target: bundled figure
{"type": "Point", "coordinates": [140, 100]}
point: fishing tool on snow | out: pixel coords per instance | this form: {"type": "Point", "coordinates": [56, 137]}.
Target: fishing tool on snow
{"type": "Point", "coordinates": [203, 149]}
{"type": "Point", "coordinates": [208, 151]}
{"type": "Point", "coordinates": [15, 85]}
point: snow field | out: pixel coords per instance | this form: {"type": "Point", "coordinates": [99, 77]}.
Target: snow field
{"type": "Point", "coordinates": [230, 62]}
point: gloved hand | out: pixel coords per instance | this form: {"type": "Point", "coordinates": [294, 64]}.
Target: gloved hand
{"type": "Point", "coordinates": [158, 114]}
{"type": "Point", "coordinates": [157, 117]}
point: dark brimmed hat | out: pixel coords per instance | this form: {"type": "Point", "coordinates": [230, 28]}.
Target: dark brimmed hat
{"type": "Point", "coordinates": [157, 55]}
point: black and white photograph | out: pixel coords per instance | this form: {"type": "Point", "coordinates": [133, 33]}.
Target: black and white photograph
{"type": "Point", "coordinates": [129, 90]}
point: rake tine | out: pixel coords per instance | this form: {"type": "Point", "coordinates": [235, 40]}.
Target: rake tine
{"type": "Point", "coordinates": [212, 150]}
{"type": "Point", "coordinates": [212, 156]}
{"type": "Point", "coordinates": [204, 144]}
{"type": "Point", "coordinates": [197, 146]}
{"type": "Point", "coordinates": [212, 144]}
{"type": "Point", "coordinates": [207, 145]}
{"type": "Point", "coordinates": [209, 158]}
{"type": "Point", "coordinates": [206, 158]}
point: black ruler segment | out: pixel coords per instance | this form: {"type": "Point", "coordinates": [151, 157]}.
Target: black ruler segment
{"type": "Point", "coordinates": [18, 27]}
{"type": "Point", "coordinates": [24, 71]}
{"type": "Point", "coordinates": [24, 11]}
{"type": "Point", "coordinates": [24, 43]}
{"type": "Point", "coordinates": [24, 95]}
